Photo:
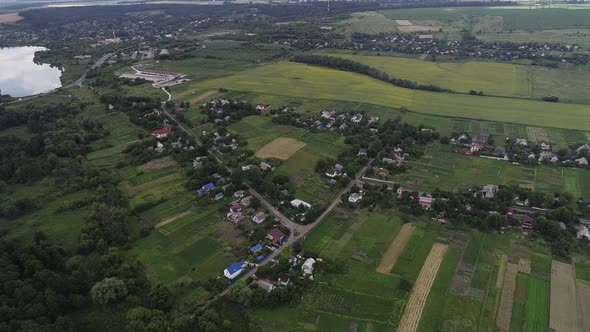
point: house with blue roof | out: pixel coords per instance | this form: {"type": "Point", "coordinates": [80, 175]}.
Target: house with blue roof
{"type": "Point", "coordinates": [234, 270]}
{"type": "Point", "coordinates": [209, 186]}
{"type": "Point", "coordinates": [260, 258]}
{"type": "Point", "coordinates": [256, 248]}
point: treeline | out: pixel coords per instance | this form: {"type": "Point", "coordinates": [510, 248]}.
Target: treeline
{"type": "Point", "coordinates": [357, 67]}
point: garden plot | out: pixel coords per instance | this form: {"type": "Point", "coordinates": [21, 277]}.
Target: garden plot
{"type": "Point", "coordinates": [419, 294]}
{"type": "Point", "coordinates": [281, 148]}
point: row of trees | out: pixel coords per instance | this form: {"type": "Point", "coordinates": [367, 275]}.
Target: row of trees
{"type": "Point", "coordinates": [357, 67]}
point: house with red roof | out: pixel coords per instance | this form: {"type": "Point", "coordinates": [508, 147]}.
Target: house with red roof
{"type": "Point", "coordinates": [275, 235]}
{"type": "Point", "coordinates": [163, 132]}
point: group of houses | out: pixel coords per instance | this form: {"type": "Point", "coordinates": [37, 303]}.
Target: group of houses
{"type": "Point", "coordinates": [237, 209]}
{"type": "Point", "coordinates": [260, 251]}
{"type": "Point", "coordinates": [521, 150]}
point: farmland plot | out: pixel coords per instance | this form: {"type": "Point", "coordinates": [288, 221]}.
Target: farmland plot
{"type": "Point", "coordinates": [419, 294]}
{"type": "Point", "coordinates": [563, 315]}
{"type": "Point", "coordinates": [395, 249]}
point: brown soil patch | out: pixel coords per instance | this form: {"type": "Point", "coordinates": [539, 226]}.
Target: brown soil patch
{"type": "Point", "coordinates": [423, 56]}
{"type": "Point", "coordinates": [583, 291]}
{"type": "Point", "coordinates": [158, 164]}
{"type": "Point", "coordinates": [506, 299]}
{"type": "Point", "coordinates": [281, 148]}
{"type": "Point", "coordinates": [563, 316]}
{"type": "Point", "coordinates": [419, 294]}
{"type": "Point", "coordinates": [395, 249]}
{"type": "Point", "coordinates": [202, 97]}
{"type": "Point", "coordinates": [403, 22]}
{"type": "Point", "coordinates": [170, 219]}
{"type": "Point", "coordinates": [516, 264]}
{"type": "Point", "coordinates": [148, 185]}
{"type": "Point", "coordinates": [10, 18]}
{"type": "Point", "coordinates": [415, 28]}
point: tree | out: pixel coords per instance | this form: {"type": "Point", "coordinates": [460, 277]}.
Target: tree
{"type": "Point", "coordinates": [240, 293]}
{"type": "Point", "coordinates": [108, 290]}
{"type": "Point", "coordinates": [140, 319]}
{"type": "Point", "coordinates": [160, 298]}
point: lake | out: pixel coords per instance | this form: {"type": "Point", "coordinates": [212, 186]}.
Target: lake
{"type": "Point", "coordinates": [20, 76]}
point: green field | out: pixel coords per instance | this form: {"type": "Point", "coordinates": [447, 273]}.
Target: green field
{"type": "Point", "coordinates": [537, 305]}
{"type": "Point", "coordinates": [366, 22]}
{"type": "Point", "coordinates": [298, 80]}
{"type": "Point", "coordinates": [500, 79]}
{"type": "Point", "coordinates": [194, 246]}
{"type": "Point", "coordinates": [412, 258]}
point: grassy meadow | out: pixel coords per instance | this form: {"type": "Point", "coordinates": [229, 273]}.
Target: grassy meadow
{"type": "Point", "coordinates": [298, 80]}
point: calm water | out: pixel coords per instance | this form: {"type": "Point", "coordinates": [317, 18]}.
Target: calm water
{"type": "Point", "coordinates": [20, 76]}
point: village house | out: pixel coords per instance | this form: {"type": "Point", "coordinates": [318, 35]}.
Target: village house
{"type": "Point", "coordinates": [236, 207]}
{"type": "Point", "coordinates": [239, 194]}
{"type": "Point", "coordinates": [355, 197]}
{"type": "Point", "coordinates": [218, 196]}
{"type": "Point", "coordinates": [583, 148]}
{"type": "Point", "coordinates": [163, 132]}
{"type": "Point", "coordinates": [362, 152]}
{"type": "Point", "coordinates": [475, 147]}
{"type": "Point", "coordinates": [521, 141]}
{"type": "Point", "coordinates": [527, 222]}
{"type": "Point", "coordinates": [234, 270]}
{"type": "Point", "coordinates": [296, 203]}
{"type": "Point", "coordinates": [264, 166]}
{"type": "Point", "coordinates": [307, 267]}
{"type": "Point", "coordinates": [582, 161]}
{"type": "Point", "coordinates": [256, 248]}
{"type": "Point", "coordinates": [206, 188]}
{"type": "Point", "coordinates": [425, 202]}
{"type": "Point", "coordinates": [259, 218]}
{"type": "Point", "coordinates": [234, 217]}
{"type": "Point", "coordinates": [275, 235]}
{"type": "Point", "coordinates": [260, 107]}
{"type": "Point", "coordinates": [159, 147]}
{"type": "Point", "coordinates": [489, 191]}
{"type": "Point", "coordinates": [284, 279]}
{"type": "Point", "coordinates": [545, 145]}
{"type": "Point", "coordinates": [357, 118]}
{"type": "Point", "coordinates": [484, 138]}
{"type": "Point", "coordinates": [265, 284]}
{"type": "Point", "coordinates": [246, 201]}
{"type": "Point", "coordinates": [583, 232]}
{"type": "Point", "coordinates": [332, 173]}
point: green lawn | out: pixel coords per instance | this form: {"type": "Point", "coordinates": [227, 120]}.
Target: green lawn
{"type": "Point", "coordinates": [299, 80]}
{"type": "Point", "coordinates": [190, 246]}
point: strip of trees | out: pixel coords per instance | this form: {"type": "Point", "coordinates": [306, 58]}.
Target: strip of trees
{"type": "Point", "coordinates": [357, 67]}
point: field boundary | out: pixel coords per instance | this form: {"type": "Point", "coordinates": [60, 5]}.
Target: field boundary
{"type": "Point", "coordinates": [395, 249]}
{"type": "Point", "coordinates": [417, 300]}
{"type": "Point", "coordinates": [170, 219]}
